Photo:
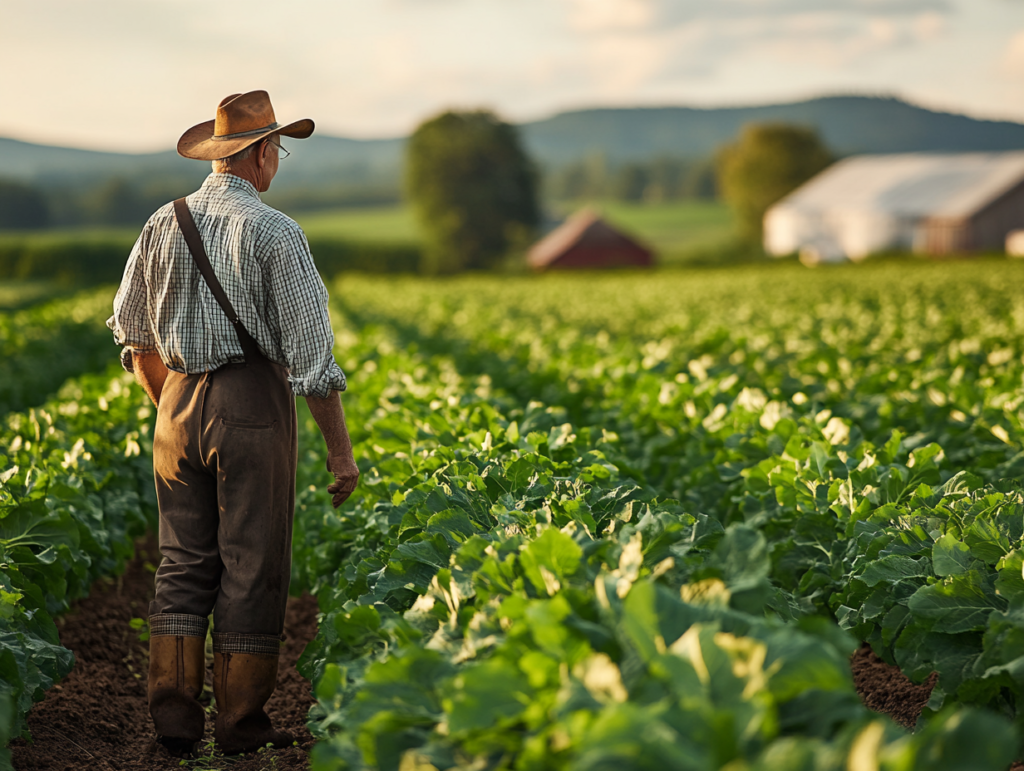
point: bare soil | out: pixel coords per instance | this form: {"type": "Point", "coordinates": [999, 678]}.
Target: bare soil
{"type": "Point", "coordinates": [98, 717]}
{"type": "Point", "coordinates": [883, 688]}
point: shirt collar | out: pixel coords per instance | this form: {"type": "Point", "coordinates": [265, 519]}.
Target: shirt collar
{"type": "Point", "coordinates": [230, 181]}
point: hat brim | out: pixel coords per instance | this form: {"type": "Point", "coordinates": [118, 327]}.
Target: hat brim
{"type": "Point", "coordinates": [198, 143]}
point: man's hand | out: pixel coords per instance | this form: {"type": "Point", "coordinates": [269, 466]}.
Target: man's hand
{"type": "Point", "coordinates": [330, 417]}
{"type": "Point", "coordinates": [346, 477]}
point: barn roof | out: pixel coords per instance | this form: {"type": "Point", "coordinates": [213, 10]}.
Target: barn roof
{"type": "Point", "coordinates": [586, 229]}
{"type": "Point", "coordinates": [912, 184]}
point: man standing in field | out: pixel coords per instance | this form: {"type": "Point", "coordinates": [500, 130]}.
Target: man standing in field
{"type": "Point", "coordinates": [223, 319]}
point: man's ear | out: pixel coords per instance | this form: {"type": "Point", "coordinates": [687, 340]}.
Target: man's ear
{"type": "Point", "coordinates": [261, 153]}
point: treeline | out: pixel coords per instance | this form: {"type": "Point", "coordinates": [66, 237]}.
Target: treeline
{"type": "Point", "coordinates": [115, 201]}
{"type": "Point", "coordinates": [660, 179]}
{"type": "Point", "coordinates": [22, 207]}
{"type": "Point", "coordinates": [120, 201]}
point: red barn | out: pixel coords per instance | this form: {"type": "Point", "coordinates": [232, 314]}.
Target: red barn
{"type": "Point", "coordinates": [586, 241]}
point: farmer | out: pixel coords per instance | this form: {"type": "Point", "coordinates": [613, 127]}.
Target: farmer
{"type": "Point", "coordinates": [223, 319]}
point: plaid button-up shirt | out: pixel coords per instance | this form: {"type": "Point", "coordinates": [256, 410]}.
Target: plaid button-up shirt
{"type": "Point", "coordinates": [263, 262]}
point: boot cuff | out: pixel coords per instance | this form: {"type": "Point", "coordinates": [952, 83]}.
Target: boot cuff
{"type": "Point", "coordinates": [178, 625]}
{"type": "Point", "coordinates": [254, 644]}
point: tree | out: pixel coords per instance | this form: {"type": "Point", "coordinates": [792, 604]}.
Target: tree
{"type": "Point", "coordinates": [22, 207]}
{"type": "Point", "coordinates": [765, 164]}
{"type": "Point", "coordinates": [473, 189]}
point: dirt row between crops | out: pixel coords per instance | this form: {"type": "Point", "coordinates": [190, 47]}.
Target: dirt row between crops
{"type": "Point", "coordinates": [97, 718]}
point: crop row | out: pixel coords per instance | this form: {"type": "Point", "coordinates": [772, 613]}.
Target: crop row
{"type": "Point", "coordinates": [76, 489]}
{"type": "Point", "coordinates": [502, 594]}
{"type": "Point", "coordinates": [756, 405]}
{"type": "Point", "coordinates": [934, 352]}
{"type": "Point", "coordinates": [43, 345]}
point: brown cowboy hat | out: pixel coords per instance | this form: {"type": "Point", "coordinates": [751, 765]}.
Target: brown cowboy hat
{"type": "Point", "coordinates": [242, 120]}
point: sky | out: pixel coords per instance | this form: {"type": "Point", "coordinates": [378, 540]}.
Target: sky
{"type": "Point", "coordinates": [132, 75]}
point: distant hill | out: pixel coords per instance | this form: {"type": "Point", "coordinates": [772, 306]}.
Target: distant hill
{"type": "Point", "coordinates": [849, 124]}
{"type": "Point", "coordinates": [317, 157]}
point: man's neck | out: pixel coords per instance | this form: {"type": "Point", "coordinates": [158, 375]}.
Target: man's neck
{"type": "Point", "coordinates": [251, 176]}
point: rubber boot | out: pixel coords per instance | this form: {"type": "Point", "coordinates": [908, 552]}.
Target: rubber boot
{"type": "Point", "coordinates": [242, 684]}
{"type": "Point", "coordinates": [177, 664]}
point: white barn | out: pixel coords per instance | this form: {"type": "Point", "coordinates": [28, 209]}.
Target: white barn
{"type": "Point", "coordinates": [924, 202]}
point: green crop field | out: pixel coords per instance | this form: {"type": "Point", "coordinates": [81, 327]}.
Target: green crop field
{"type": "Point", "coordinates": [637, 520]}
{"type": "Point", "coordinates": [15, 293]}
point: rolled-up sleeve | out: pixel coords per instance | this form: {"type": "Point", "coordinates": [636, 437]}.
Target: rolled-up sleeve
{"type": "Point", "coordinates": [130, 322]}
{"type": "Point", "coordinates": [300, 296]}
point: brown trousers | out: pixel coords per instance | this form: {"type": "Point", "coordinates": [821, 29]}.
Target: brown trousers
{"type": "Point", "coordinates": [224, 457]}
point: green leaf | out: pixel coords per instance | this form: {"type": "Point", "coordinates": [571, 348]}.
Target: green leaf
{"type": "Point", "coordinates": [454, 525]}
{"type": "Point", "coordinates": [519, 472]}
{"type": "Point", "coordinates": [743, 557]}
{"type": "Point", "coordinates": [34, 526]}
{"type": "Point", "coordinates": [961, 603]}
{"type": "Point", "coordinates": [1010, 583]}
{"type": "Point", "coordinates": [548, 559]}
{"type": "Point", "coordinates": [894, 568]}
{"type": "Point", "coordinates": [951, 557]}
{"type": "Point", "coordinates": [433, 552]}
{"type": "Point", "coordinates": [987, 543]}
{"type": "Point", "coordinates": [892, 447]}
{"type": "Point", "coordinates": [485, 694]}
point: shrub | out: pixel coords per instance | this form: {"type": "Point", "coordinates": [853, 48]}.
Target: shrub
{"type": "Point", "coordinates": [473, 188]}
{"type": "Point", "coordinates": [766, 163]}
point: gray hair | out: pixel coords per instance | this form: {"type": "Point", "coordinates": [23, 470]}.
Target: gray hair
{"type": "Point", "coordinates": [224, 165]}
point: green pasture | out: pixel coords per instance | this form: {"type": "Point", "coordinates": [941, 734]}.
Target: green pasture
{"type": "Point", "coordinates": [679, 232]}
{"type": "Point", "coordinates": [385, 224]}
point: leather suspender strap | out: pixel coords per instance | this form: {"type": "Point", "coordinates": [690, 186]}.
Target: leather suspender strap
{"type": "Point", "coordinates": [195, 245]}
{"type": "Point", "coordinates": [202, 260]}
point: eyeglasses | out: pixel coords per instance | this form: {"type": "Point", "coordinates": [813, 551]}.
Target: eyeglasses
{"type": "Point", "coordinates": [281, 152]}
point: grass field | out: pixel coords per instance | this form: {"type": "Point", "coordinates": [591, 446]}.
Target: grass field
{"type": "Point", "coordinates": [676, 231]}
{"type": "Point", "coordinates": [391, 224]}
{"type": "Point", "coordinates": [679, 232]}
